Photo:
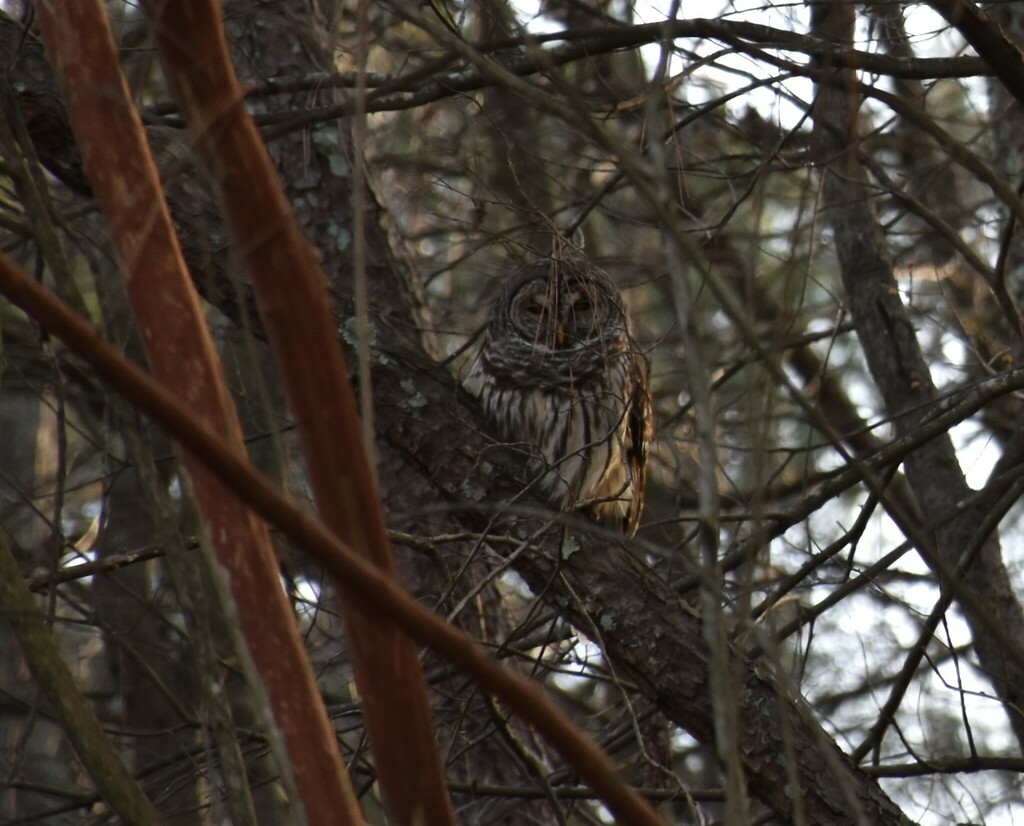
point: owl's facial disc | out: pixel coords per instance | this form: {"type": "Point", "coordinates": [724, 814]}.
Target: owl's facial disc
{"type": "Point", "coordinates": [557, 315]}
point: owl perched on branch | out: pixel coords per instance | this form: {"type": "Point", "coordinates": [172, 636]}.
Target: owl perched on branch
{"type": "Point", "coordinates": [559, 373]}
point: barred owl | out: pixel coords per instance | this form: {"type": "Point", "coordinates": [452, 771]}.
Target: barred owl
{"type": "Point", "coordinates": [559, 373]}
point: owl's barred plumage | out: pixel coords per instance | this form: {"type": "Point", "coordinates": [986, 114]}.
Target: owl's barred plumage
{"type": "Point", "coordinates": [559, 372]}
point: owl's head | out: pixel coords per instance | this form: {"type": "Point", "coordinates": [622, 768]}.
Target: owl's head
{"type": "Point", "coordinates": [561, 304]}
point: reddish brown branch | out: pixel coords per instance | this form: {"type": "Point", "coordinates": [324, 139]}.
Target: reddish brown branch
{"type": "Point", "coordinates": [297, 317]}
{"type": "Point", "coordinates": [116, 158]}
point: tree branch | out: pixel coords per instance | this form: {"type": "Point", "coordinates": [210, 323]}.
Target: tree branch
{"type": "Point", "coordinates": [1002, 56]}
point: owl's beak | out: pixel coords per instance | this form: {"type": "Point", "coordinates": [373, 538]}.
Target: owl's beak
{"type": "Point", "coordinates": [560, 335]}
